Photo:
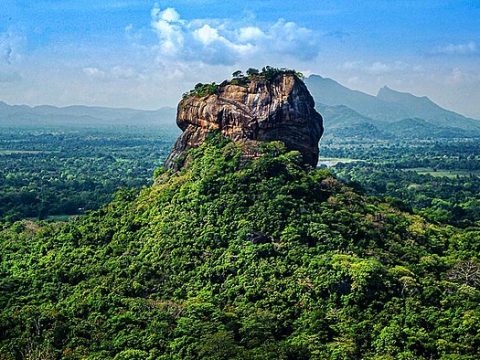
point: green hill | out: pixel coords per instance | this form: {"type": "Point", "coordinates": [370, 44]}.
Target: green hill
{"type": "Point", "coordinates": [235, 259]}
{"type": "Point", "coordinates": [79, 116]}
{"type": "Point", "coordinates": [424, 108]}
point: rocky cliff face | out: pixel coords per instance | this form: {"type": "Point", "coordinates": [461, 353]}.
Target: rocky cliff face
{"type": "Point", "coordinates": [281, 109]}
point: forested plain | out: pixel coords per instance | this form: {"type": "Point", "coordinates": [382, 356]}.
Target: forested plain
{"type": "Point", "coordinates": [375, 258]}
{"type": "Point", "coordinates": [60, 172]}
{"type": "Point", "coordinates": [437, 178]}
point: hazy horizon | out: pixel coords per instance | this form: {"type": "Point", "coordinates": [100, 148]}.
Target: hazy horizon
{"type": "Point", "coordinates": [145, 54]}
{"type": "Point", "coordinates": [168, 106]}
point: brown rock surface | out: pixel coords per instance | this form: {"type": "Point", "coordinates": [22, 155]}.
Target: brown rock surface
{"type": "Point", "coordinates": [281, 109]}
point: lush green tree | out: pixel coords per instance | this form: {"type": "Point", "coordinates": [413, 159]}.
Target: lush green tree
{"type": "Point", "coordinates": [240, 259]}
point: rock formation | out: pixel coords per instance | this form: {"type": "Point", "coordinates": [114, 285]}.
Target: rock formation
{"type": "Point", "coordinates": [255, 110]}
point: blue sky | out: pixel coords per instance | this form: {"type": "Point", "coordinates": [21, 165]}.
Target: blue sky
{"type": "Point", "coordinates": [145, 54]}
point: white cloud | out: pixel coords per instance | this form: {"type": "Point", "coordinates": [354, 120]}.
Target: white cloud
{"type": "Point", "coordinates": [94, 72]}
{"type": "Point", "coordinates": [206, 35]}
{"type": "Point", "coordinates": [457, 49]}
{"type": "Point", "coordinates": [286, 37]}
{"type": "Point", "coordinates": [169, 14]}
{"type": "Point", "coordinates": [224, 42]}
{"type": "Point", "coordinates": [250, 33]}
{"type": "Point", "coordinates": [378, 67]}
{"type": "Point", "coordinates": [117, 72]}
{"type": "Point", "coordinates": [168, 26]}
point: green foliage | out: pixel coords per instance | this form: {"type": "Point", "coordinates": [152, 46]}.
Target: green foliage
{"type": "Point", "coordinates": [252, 72]}
{"type": "Point", "coordinates": [439, 180]}
{"type": "Point", "coordinates": [268, 74]}
{"type": "Point", "coordinates": [202, 90]}
{"type": "Point", "coordinates": [240, 260]}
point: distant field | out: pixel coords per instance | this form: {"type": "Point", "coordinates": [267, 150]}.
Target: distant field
{"type": "Point", "coordinates": [51, 174]}
{"type": "Point", "coordinates": [333, 161]}
{"type": "Point", "coordinates": [444, 173]}
{"type": "Point", "coordinates": [29, 152]}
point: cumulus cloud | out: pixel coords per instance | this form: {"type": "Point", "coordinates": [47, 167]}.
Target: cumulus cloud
{"type": "Point", "coordinates": [250, 33]}
{"type": "Point", "coordinates": [378, 67]}
{"type": "Point", "coordinates": [286, 37]}
{"type": "Point", "coordinates": [457, 49]}
{"type": "Point", "coordinates": [169, 28]}
{"type": "Point", "coordinates": [226, 42]}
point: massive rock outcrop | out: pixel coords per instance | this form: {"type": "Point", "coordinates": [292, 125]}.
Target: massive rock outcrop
{"type": "Point", "coordinates": [256, 110]}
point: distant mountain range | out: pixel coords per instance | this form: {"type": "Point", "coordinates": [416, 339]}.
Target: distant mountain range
{"type": "Point", "coordinates": [82, 116]}
{"type": "Point", "coordinates": [391, 113]}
